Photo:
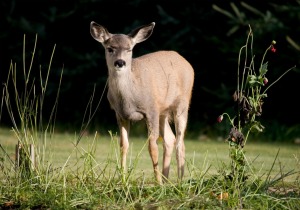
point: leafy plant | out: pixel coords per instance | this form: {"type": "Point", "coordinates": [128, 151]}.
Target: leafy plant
{"type": "Point", "coordinates": [249, 96]}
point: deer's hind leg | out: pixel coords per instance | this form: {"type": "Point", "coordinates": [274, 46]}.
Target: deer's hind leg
{"type": "Point", "coordinates": [180, 120]}
{"type": "Point", "coordinates": [168, 145]}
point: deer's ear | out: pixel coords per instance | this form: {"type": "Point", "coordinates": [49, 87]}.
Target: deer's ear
{"type": "Point", "coordinates": [142, 33]}
{"type": "Point", "coordinates": [99, 32]}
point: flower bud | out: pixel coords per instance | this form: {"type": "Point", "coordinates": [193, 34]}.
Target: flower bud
{"type": "Point", "coordinates": [273, 42]}
{"type": "Point", "coordinates": [220, 118]}
{"type": "Point", "coordinates": [265, 81]}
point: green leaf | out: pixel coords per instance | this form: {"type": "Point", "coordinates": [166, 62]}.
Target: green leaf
{"type": "Point", "coordinates": [264, 95]}
{"type": "Point", "coordinates": [263, 69]}
{"type": "Point", "coordinates": [252, 79]}
{"type": "Point", "coordinates": [257, 126]}
{"type": "Point", "coordinates": [260, 80]}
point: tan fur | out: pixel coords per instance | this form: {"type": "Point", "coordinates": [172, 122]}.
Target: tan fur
{"type": "Point", "coordinates": [155, 87]}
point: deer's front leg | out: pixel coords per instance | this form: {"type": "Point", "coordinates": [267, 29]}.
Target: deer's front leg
{"type": "Point", "coordinates": [124, 126]}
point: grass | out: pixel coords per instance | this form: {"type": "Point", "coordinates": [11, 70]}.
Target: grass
{"type": "Point", "coordinates": [198, 153]}
{"type": "Point", "coordinates": [93, 167]}
{"type": "Point", "coordinates": [86, 174]}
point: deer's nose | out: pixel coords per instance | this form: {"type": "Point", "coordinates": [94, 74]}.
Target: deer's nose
{"type": "Point", "coordinates": [120, 63]}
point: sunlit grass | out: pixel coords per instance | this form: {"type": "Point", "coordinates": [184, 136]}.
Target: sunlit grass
{"type": "Point", "coordinates": [88, 175]}
{"type": "Point", "coordinates": [200, 154]}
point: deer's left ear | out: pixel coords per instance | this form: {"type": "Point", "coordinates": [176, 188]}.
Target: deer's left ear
{"type": "Point", "coordinates": [99, 32]}
{"type": "Point", "coordinates": [142, 33]}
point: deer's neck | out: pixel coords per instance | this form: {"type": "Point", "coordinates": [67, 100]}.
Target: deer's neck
{"type": "Point", "coordinates": [124, 95]}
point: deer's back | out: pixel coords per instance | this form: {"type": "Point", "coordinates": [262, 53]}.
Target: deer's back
{"type": "Point", "coordinates": [165, 75]}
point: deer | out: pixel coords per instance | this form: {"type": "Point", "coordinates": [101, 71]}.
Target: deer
{"type": "Point", "coordinates": [155, 87]}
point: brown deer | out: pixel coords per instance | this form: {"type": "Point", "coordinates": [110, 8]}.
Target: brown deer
{"type": "Point", "coordinates": [156, 87]}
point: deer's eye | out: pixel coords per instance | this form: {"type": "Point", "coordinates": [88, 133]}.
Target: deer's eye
{"type": "Point", "coordinates": [110, 50]}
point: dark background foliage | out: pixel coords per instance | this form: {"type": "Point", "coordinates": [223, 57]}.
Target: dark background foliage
{"type": "Point", "coordinates": [209, 33]}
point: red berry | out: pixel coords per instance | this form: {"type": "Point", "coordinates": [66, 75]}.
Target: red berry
{"type": "Point", "coordinates": [273, 49]}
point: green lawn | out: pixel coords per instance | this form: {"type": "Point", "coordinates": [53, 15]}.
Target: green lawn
{"type": "Point", "coordinates": [88, 177]}
{"type": "Point", "coordinates": [200, 155]}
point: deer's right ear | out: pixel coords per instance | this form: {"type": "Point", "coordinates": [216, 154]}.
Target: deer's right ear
{"type": "Point", "coordinates": [99, 32]}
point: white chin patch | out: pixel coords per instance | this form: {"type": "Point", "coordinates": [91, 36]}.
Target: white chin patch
{"type": "Point", "coordinates": [119, 68]}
